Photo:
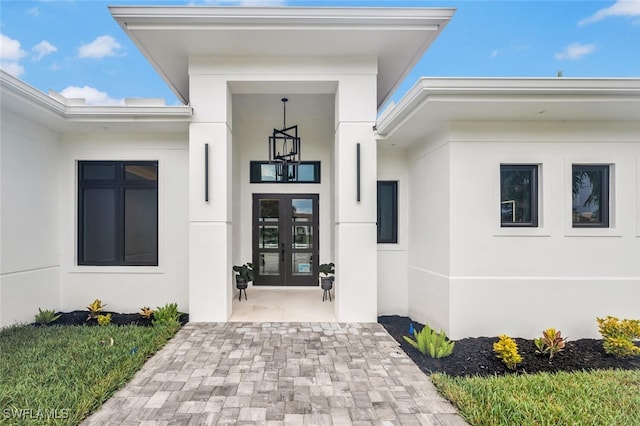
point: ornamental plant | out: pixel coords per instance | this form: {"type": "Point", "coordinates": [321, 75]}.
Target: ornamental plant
{"type": "Point", "coordinates": [95, 308]}
{"type": "Point", "coordinates": [46, 317]}
{"type": "Point", "coordinates": [245, 272]}
{"type": "Point", "coordinates": [146, 312]}
{"type": "Point", "coordinates": [167, 315]}
{"type": "Point", "coordinates": [104, 319]}
{"type": "Point", "coordinates": [619, 336]}
{"type": "Point", "coordinates": [507, 350]}
{"type": "Point", "coordinates": [550, 343]}
{"type": "Point", "coordinates": [428, 342]}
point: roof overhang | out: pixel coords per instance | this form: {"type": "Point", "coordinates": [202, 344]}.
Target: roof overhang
{"type": "Point", "coordinates": [168, 36]}
{"type": "Point", "coordinates": [24, 100]}
{"type": "Point", "coordinates": [436, 102]}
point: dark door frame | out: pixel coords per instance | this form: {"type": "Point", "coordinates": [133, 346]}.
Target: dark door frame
{"type": "Point", "coordinates": [286, 247]}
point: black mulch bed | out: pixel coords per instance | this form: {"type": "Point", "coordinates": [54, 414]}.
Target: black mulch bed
{"type": "Point", "coordinates": [81, 318]}
{"type": "Point", "coordinates": [475, 356]}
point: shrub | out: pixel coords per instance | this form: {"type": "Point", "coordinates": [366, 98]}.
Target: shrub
{"type": "Point", "coordinates": [619, 336]}
{"type": "Point", "coordinates": [46, 317]}
{"type": "Point", "coordinates": [104, 319]}
{"type": "Point", "coordinates": [146, 312]}
{"type": "Point", "coordinates": [428, 342]}
{"type": "Point", "coordinates": [507, 349]}
{"type": "Point", "coordinates": [95, 308]}
{"type": "Point", "coordinates": [550, 343]}
{"type": "Point", "coordinates": [167, 315]}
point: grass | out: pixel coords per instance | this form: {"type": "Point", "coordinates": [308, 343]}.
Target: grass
{"type": "Point", "coordinates": [60, 375]}
{"type": "Point", "coordinates": [599, 397]}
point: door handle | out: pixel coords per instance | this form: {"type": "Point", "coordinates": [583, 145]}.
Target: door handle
{"type": "Point", "coordinates": [282, 251]}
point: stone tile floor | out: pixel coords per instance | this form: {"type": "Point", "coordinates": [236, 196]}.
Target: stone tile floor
{"type": "Point", "coordinates": [279, 374]}
{"type": "Point", "coordinates": [283, 305]}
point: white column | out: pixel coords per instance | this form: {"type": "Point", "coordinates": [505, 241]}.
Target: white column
{"type": "Point", "coordinates": [355, 232]}
{"type": "Point", "coordinates": [210, 222]}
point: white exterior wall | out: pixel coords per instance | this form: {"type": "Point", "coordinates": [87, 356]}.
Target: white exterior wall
{"type": "Point", "coordinates": [210, 222]}
{"type": "Point", "coordinates": [128, 288]}
{"type": "Point", "coordinates": [356, 230]}
{"type": "Point", "coordinates": [29, 235]}
{"type": "Point", "coordinates": [393, 292]}
{"type": "Point", "coordinates": [521, 281]}
{"type": "Point", "coordinates": [429, 225]}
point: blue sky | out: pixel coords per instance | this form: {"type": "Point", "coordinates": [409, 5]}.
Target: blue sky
{"type": "Point", "coordinates": [77, 49]}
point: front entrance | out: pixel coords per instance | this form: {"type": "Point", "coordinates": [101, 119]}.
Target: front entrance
{"type": "Point", "coordinates": [285, 239]}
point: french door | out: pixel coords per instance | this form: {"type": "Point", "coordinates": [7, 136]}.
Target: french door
{"type": "Point", "coordinates": [285, 239]}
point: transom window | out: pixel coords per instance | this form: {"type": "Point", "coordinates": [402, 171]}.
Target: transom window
{"type": "Point", "coordinates": [519, 195]}
{"type": "Point", "coordinates": [590, 195]}
{"type": "Point", "coordinates": [118, 213]}
{"type": "Point", "coordinates": [265, 172]}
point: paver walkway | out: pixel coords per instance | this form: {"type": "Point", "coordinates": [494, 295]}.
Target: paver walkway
{"type": "Point", "coordinates": [279, 373]}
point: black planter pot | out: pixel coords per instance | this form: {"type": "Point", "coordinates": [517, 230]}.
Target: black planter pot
{"type": "Point", "coordinates": [326, 284]}
{"type": "Point", "coordinates": [241, 284]}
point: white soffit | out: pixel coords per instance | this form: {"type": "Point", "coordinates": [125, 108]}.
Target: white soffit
{"type": "Point", "coordinates": [168, 36]}
{"type": "Point", "coordinates": [435, 102]}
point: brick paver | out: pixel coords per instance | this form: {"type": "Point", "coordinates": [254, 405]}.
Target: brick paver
{"type": "Point", "coordinates": [279, 374]}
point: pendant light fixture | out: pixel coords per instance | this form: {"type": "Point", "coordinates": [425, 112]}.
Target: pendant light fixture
{"type": "Point", "coordinates": [284, 147]}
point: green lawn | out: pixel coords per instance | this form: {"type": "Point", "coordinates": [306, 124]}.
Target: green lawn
{"type": "Point", "coordinates": [599, 397]}
{"type": "Point", "coordinates": [59, 375]}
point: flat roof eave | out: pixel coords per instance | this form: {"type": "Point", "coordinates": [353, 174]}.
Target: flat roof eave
{"type": "Point", "coordinates": [169, 35]}
{"type": "Point", "coordinates": [436, 101]}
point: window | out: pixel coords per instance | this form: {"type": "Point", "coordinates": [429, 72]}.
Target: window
{"type": "Point", "coordinates": [118, 213]}
{"type": "Point", "coordinates": [265, 172]}
{"type": "Point", "coordinates": [590, 193]}
{"type": "Point", "coordinates": [519, 195]}
{"type": "Point", "coordinates": [387, 212]}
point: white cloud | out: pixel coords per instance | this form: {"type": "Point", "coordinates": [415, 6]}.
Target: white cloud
{"type": "Point", "coordinates": [34, 11]}
{"type": "Point", "coordinates": [99, 48]}
{"type": "Point", "coordinates": [575, 51]}
{"type": "Point", "coordinates": [92, 95]}
{"type": "Point", "coordinates": [619, 8]}
{"type": "Point", "coordinates": [10, 55]}
{"type": "Point", "coordinates": [495, 53]}
{"type": "Point", "coordinates": [13, 68]}
{"type": "Point", "coordinates": [10, 49]}
{"type": "Point", "coordinates": [43, 49]}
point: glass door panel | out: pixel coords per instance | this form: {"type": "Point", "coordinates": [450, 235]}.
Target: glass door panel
{"type": "Point", "coordinates": [302, 209]}
{"type": "Point", "coordinates": [269, 264]}
{"type": "Point", "coordinates": [269, 236]}
{"type": "Point", "coordinates": [269, 210]}
{"type": "Point", "coordinates": [302, 237]}
{"type": "Point", "coordinates": [302, 264]}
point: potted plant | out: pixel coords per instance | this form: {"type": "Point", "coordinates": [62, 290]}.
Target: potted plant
{"type": "Point", "coordinates": [327, 271]}
{"type": "Point", "coordinates": [244, 275]}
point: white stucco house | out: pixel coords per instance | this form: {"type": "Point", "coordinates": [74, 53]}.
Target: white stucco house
{"type": "Point", "coordinates": [477, 205]}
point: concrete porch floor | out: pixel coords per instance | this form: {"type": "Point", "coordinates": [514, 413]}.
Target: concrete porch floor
{"type": "Point", "coordinates": [298, 304]}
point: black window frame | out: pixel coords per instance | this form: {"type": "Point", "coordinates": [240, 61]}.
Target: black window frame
{"type": "Point", "coordinates": [533, 199]}
{"type": "Point", "coordinates": [119, 184]}
{"type": "Point", "coordinates": [603, 200]}
{"type": "Point", "coordinates": [255, 173]}
{"type": "Point", "coordinates": [393, 239]}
